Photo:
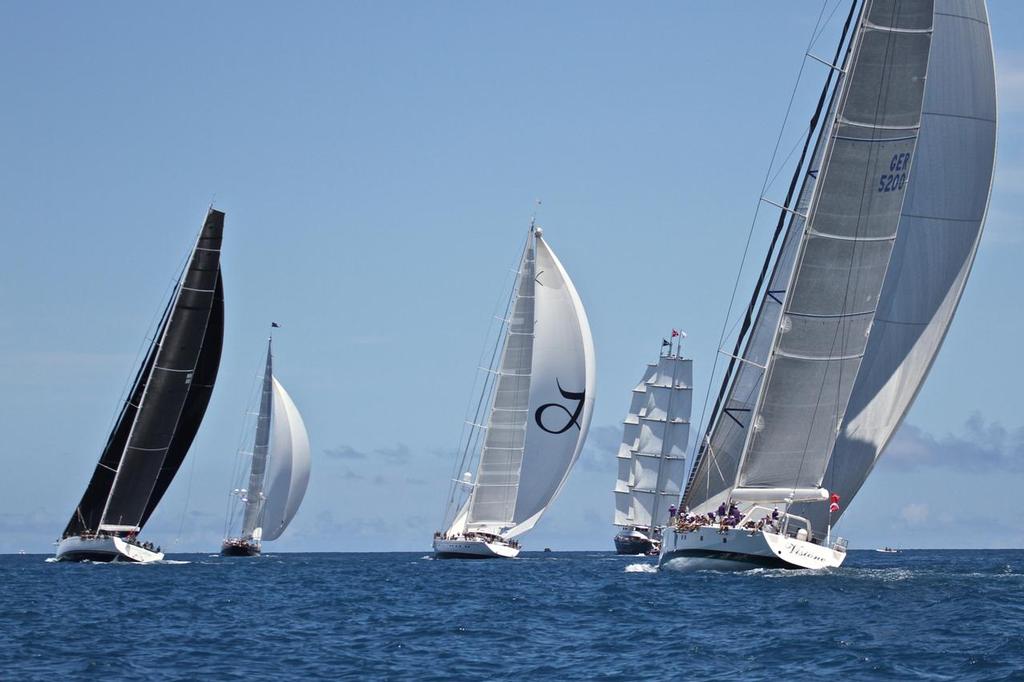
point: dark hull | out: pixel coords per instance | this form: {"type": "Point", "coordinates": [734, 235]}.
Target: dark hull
{"type": "Point", "coordinates": [459, 555]}
{"type": "Point", "coordinates": [234, 549]}
{"type": "Point", "coordinates": [634, 546]}
{"type": "Point", "coordinates": [739, 559]}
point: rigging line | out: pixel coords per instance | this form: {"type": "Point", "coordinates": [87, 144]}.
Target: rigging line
{"type": "Point", "coordinates": [740, 341]}
{"type": "Point", "coordinates": [750, 234]}
{"type": "Point", "coordinates": [237, 473]}
{"type": "Point", "coordinates": [472, 437]}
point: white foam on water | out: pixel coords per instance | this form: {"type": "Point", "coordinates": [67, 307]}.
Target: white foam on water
{"type": "Point", "coordinates": [51, 559]}
{"type": "Point", "coordinates": [641, 568]}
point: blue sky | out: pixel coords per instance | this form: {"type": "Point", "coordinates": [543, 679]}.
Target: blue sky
{"type": "Point", "coordinates": [378, 163]}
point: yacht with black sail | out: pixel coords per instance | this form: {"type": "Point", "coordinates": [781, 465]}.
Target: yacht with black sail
{"type": "Point", "coordinates": [652, 457]}
{"type": "Point", "coordinates": [277, 471]}
{"type": "Point", "coordinates": [532, 415]}
{"type": "Point", "coordinates": [160, 417]}
{"type": "Point", "coordinates": [850, 309]}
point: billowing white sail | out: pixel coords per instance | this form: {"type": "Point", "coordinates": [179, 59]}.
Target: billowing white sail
{"type": "Point", "coordinates": [652, 457]}
{"type": "Point", "coordinates": [542, 400]}
{"type": "Point", "coordinates": [288, 465]}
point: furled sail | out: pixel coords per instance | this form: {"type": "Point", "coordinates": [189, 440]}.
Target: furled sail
{"type": "Point", "coordinates": [253, 497]}
{"type": "Point", "coordinates": [288, 465]}
{"type": "Point", "coordinates": [542, 401]}
{"type": "Point", "coordinates": [652, 457]}
{"type": "Point", "coordinates": [167, 401]}
{"type": "Point", "coordinates": [830, 290]}
{"type": "Point", "coordinates": [939, 231]}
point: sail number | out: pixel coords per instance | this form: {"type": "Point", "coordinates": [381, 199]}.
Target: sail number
{"type": "Point", "coordinates": [895, 180]}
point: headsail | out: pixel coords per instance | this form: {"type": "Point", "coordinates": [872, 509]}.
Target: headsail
{"type": "Point", "coordinates": [652, 457]}
{"type": "Point", "coordinates": [939, 231]}
{"type": "Point", "coordinates": [167, 402]}
{"type": "Point", "coordinates": [542, 402]}
{"type": "Point", "coordinates": [289, 464]}
{"type": "Point", "coordinates": [832, 287]}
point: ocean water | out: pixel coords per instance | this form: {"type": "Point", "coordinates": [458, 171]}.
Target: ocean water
{"type": "Point", "coordinates": [920, 615]}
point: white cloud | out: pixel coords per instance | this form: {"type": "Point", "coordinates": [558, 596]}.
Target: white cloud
{"type": "Point", "coordinates": [915, 514]}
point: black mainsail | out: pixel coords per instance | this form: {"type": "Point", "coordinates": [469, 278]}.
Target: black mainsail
{"type": "Point", "coordinates": [167, 401]}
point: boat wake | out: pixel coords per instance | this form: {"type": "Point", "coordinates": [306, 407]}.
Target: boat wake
{"type": "Point", "coordinates": [641, 568]}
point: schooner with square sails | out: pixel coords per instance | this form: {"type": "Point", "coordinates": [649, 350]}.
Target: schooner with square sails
{"type": "Point", "coordinates": [538, 397]}
{"type": "Point", "coordinates": [874, 258]}
{"type": "Point", "coordinates": [160, 418]}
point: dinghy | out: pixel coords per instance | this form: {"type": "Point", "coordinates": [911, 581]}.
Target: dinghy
{"type": "Point", "coordinates": [537, 398]}
{"type": "Point", "coordinates": [874, 256]}
{"type": "Point", "coordinates": [160, 418]}
{"type": "Point", "coordinates": [652, 456]}
{"type": "Point", "coordinates": [278, 469]}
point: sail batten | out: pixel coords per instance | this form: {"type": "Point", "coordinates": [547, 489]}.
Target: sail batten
{"type": "Point", "coordinates": [163, 410]}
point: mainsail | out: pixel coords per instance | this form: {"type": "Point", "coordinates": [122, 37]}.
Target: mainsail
{"type": "Point", "coordinates": [777, 430]}
{"type": "Point", "coordinates": [541, 403]}
{"type": "Point", "coordinates": [167, 401]}
{"type": "Point", "coordinates": [939, 231]}
{"type": "Point", "coordinates": [253, 495]}
{"type": "Point", "coordinates": [652, 457]}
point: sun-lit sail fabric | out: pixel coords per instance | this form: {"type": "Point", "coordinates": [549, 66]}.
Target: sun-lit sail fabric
{"type": "Point", "coordinates": [939, 231]}
{"type": "Point", "coordinates": [253, 497]}
{"type": "Point", "coordinates": [718, 459]}
{"type": "Point", "coordinates": [652, 457]}
{"type": "Point", "coordinates": [561, 390]}
{"type": "Point", "coordinates": [164, 408]}
{"type": "Point", "coordinates": [288, 465]}
{"type": "Point", "coordinates": [493, 500]}
{"type": "Point", "coordinates": [542, 401]}
{"type": "Point", "coordinates": [844, 252]}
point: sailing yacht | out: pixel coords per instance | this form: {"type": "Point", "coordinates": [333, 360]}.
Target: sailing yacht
{"type": "Point", "coordinates": [873, 260]}
{"type": "Point", "coordinates": [160, 418]}
{"type": "Point", "coordinates": [538, 398]}
{"type": "Point", "coordinates": [652, 456]}
{"type": "Point", "coordinates": [278, 470]}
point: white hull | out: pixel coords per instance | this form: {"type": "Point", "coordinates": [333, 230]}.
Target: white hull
{"type": "Point", "coordinates": [105, 548]}
{"type": "Point", "coordinates": [473, 548]}
{"type": "Point", "coordinates": [708, 548]}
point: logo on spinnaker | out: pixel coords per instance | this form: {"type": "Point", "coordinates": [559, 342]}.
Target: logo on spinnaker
{"type": "Point", "coordinates": [573, 416]}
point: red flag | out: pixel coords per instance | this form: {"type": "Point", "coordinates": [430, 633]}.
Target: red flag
{"type": "Point", "coordinates": [834, 498]}
{"type": "Point", "coordinates": [675, 333]}
{"type": "Point", "coordinates": [834, 507]}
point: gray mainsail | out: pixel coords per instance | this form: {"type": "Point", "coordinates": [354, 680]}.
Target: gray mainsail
{"type": "Point", "coordinates": [253, 498]}
{"type": "Point", "coordinates": [939, 231]}
{"type": "Point", "coordinates": [181, 353]}
{"type": "Point", "coordinates": [777, 427]}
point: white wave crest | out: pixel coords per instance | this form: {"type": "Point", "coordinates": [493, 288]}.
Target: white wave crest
{"type": "Point", "coordinates": [641, 568]}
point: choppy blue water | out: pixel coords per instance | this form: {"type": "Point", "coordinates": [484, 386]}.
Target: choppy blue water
{"type": "Point", "coordinates": [932, 615]}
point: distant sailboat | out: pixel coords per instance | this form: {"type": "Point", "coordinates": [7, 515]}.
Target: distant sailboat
{"type": "Point", "coordinates": [652, 457]}
{"type": "Point", "coordinates": [278, 472]}
{"type": "Point", "coordinates": [159, 419]}
{"type": "Point", "coordinates": [861, 291]}
{"type": "Point", "coordinates": [538, 401]}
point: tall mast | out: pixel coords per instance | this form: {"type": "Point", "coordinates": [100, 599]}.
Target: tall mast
{"type": "Point", "coordinates": [254, 492]}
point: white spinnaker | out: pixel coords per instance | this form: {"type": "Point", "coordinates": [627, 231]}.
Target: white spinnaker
{"type": "Point", "coordinates": [288, 467]}
{"type": "Point", "coordinates": [561, 390]}
{"type": "Point", "coordinates": [939, 231]}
